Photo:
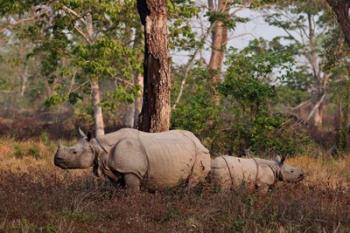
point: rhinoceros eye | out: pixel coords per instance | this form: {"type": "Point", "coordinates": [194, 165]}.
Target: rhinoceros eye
{"type": "Point", "coordinates": [74, 152]}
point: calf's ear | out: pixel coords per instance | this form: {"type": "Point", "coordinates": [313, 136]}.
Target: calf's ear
{"type": "Point", "coordinates": [280, 160]}
{"type": "Point", "coordinates": [283, 159]}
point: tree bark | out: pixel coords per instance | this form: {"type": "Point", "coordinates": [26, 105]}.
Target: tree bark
{"type": "Point", "coordinates": [219, 41]}
{"type": "Point", "coordinates": [155, 114]}
{"type": "Point", "coordinates": [341, 10]}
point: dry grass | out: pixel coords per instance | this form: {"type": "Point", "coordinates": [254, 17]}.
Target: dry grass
{"type": "Point", "coordinates": [325, 173]}
{"type": "Point", "coordinates": [37, 197]}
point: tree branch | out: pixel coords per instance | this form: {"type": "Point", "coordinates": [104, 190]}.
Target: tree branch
{"type": "Point", "coordinates": [317, 105]}
{"type": "Point", "coordinates": [74, 13]}
{"type": "Point", "coordinates": [85, 36]}
{"type": "Point", "coordinates": [190, 65]}
{"type": "Point", "coordinates": [10, 25]}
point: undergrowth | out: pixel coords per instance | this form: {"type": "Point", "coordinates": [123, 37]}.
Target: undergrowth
{"type": "Point", "coordinates": [35, 196]}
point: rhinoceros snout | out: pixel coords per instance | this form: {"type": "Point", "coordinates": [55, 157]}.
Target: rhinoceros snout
{"type": "Point", "coordinates": [57, 159]}
{"type": "Point", "coordinates": [300, 177]}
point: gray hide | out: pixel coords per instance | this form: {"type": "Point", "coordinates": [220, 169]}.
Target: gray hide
{"type": "Point", "coordinates": [228, 172]}
{"type": "Point", "coordinates": [159, 160]}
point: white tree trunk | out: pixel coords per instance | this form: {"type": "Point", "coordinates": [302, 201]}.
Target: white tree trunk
{"type": "Point", "coordinates": [129, 116]}
{"type": "Point", "coordinates": [318, 117]}
{"type": "Point", "coordinates": [96, 101]}
{"type": "Point", "coordinates": [138, 100]}
{"type": "Point", "coordinates": [24, 78]}
{"type": "Point", "coordinates": [95, 88]}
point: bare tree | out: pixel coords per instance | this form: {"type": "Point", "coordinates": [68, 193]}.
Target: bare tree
{"type": "Point", "coordinates": [155, 114]}
{"type": "Point", "coordinates": [304, 35]}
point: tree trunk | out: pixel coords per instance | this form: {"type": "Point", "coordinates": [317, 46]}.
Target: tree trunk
{"type": "Point", "coordinates": [341, 10]}
{"type": "Point", "coordinates": [132, 40]}
{"type": "Point", "coordinates": [95, 88]}
{"type": "Point", "coordinates": [138, 77]}
{"type": "Point", "coordinates": [24, 80]}
{"type": "Point", "coordinates": [138, 80]}
{"type": "Point", "coordinates": [155, 114]}
{"type": "Point", "coordinates": [343, 121]}
{"type": "Point", "coordinates": [96, 101]}
{"type": "Point", "coordinates": [315, 67]}
{"type": "Point", "coordinates": [129, 116]}
{"type": "Point", "coordinates": [337, 125]}
{"type": "Point", "coordinates": [318, 117]}
{"type": "Point", "coordinates": [219, 40]}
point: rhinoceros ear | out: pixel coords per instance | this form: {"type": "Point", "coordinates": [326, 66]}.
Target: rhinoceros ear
{"type": "Point", "coordinates": [283, 159]}
{"type": "Point", "coordinates": [89, 136]}
{"type": "Point", "coordinates": [82, 134]}
{"type": "Point", "coordinates": [280, 160]}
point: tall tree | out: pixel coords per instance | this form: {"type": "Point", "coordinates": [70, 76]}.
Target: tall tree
{"type": "Point", "coordinates": [89, 36]}
{"type": "Point", "coordinates": [303, 27]}
{"type": "Point", "coordinates": [219, 36]}
{"type": "Point", "coordinates": [223, 18]}
{"type": "Point", "coordinates": [155, 114]}
{"type": "Point", "coordinates": [341, 9]}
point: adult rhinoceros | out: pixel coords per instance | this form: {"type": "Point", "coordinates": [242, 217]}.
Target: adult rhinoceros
{"type": "Point", "coordinates": [231, 172]}
{"type": "Point", "coordinates": [157, 160]}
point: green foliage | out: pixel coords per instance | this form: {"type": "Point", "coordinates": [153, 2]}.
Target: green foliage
{"type": "Point", "coordinates": [34, 152]}
{"type": "Point", "coordinates": [73, 98]}
{"type": "Point", "coordinates": [181, 34]}
{"type": "Point", "coordinates": [248, 83]}
{"type": "Point", "coordinates": [228, 20]}
{"type": "Point", "coordinates": [120, 95]}
{"type": "Point", "coordinates": [54, 100]}
{"type": "Point", "coordinates": [247, 116]}
{"type": "Point", "coordinates": [107, 58]}
{"type": "Point", "coordinates": [197, 112]}
{"type": "Point", "coordinates": [260, 83]}
{"type": "Point", "coordinates": [67, 60]}
{"type": "Point", "coordinates": [20, 151]}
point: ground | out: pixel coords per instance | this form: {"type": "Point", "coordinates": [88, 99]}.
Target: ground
{"type": "Point", "coordinates": [35, 196]}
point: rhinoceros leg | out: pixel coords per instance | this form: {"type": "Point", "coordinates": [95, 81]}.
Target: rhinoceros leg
{"type": "Point", "coordinates": [117, 183]}
{"type": "Point", "coordinates": [132, 182]}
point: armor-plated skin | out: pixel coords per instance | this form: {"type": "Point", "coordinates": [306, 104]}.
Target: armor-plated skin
{"type": "Point", "coordinates": [155, 160]}
{"type": "Point", "coordinates": [228, 172]}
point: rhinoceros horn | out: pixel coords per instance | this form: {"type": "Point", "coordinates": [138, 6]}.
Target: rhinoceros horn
{"type": "Point", "coordinates": [82, 134]}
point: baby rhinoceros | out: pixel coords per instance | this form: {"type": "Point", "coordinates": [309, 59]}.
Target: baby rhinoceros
{"type": "Point", "coordinates": [228, 172]}
{"type": "Point", "coordinates": [157, 160]}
